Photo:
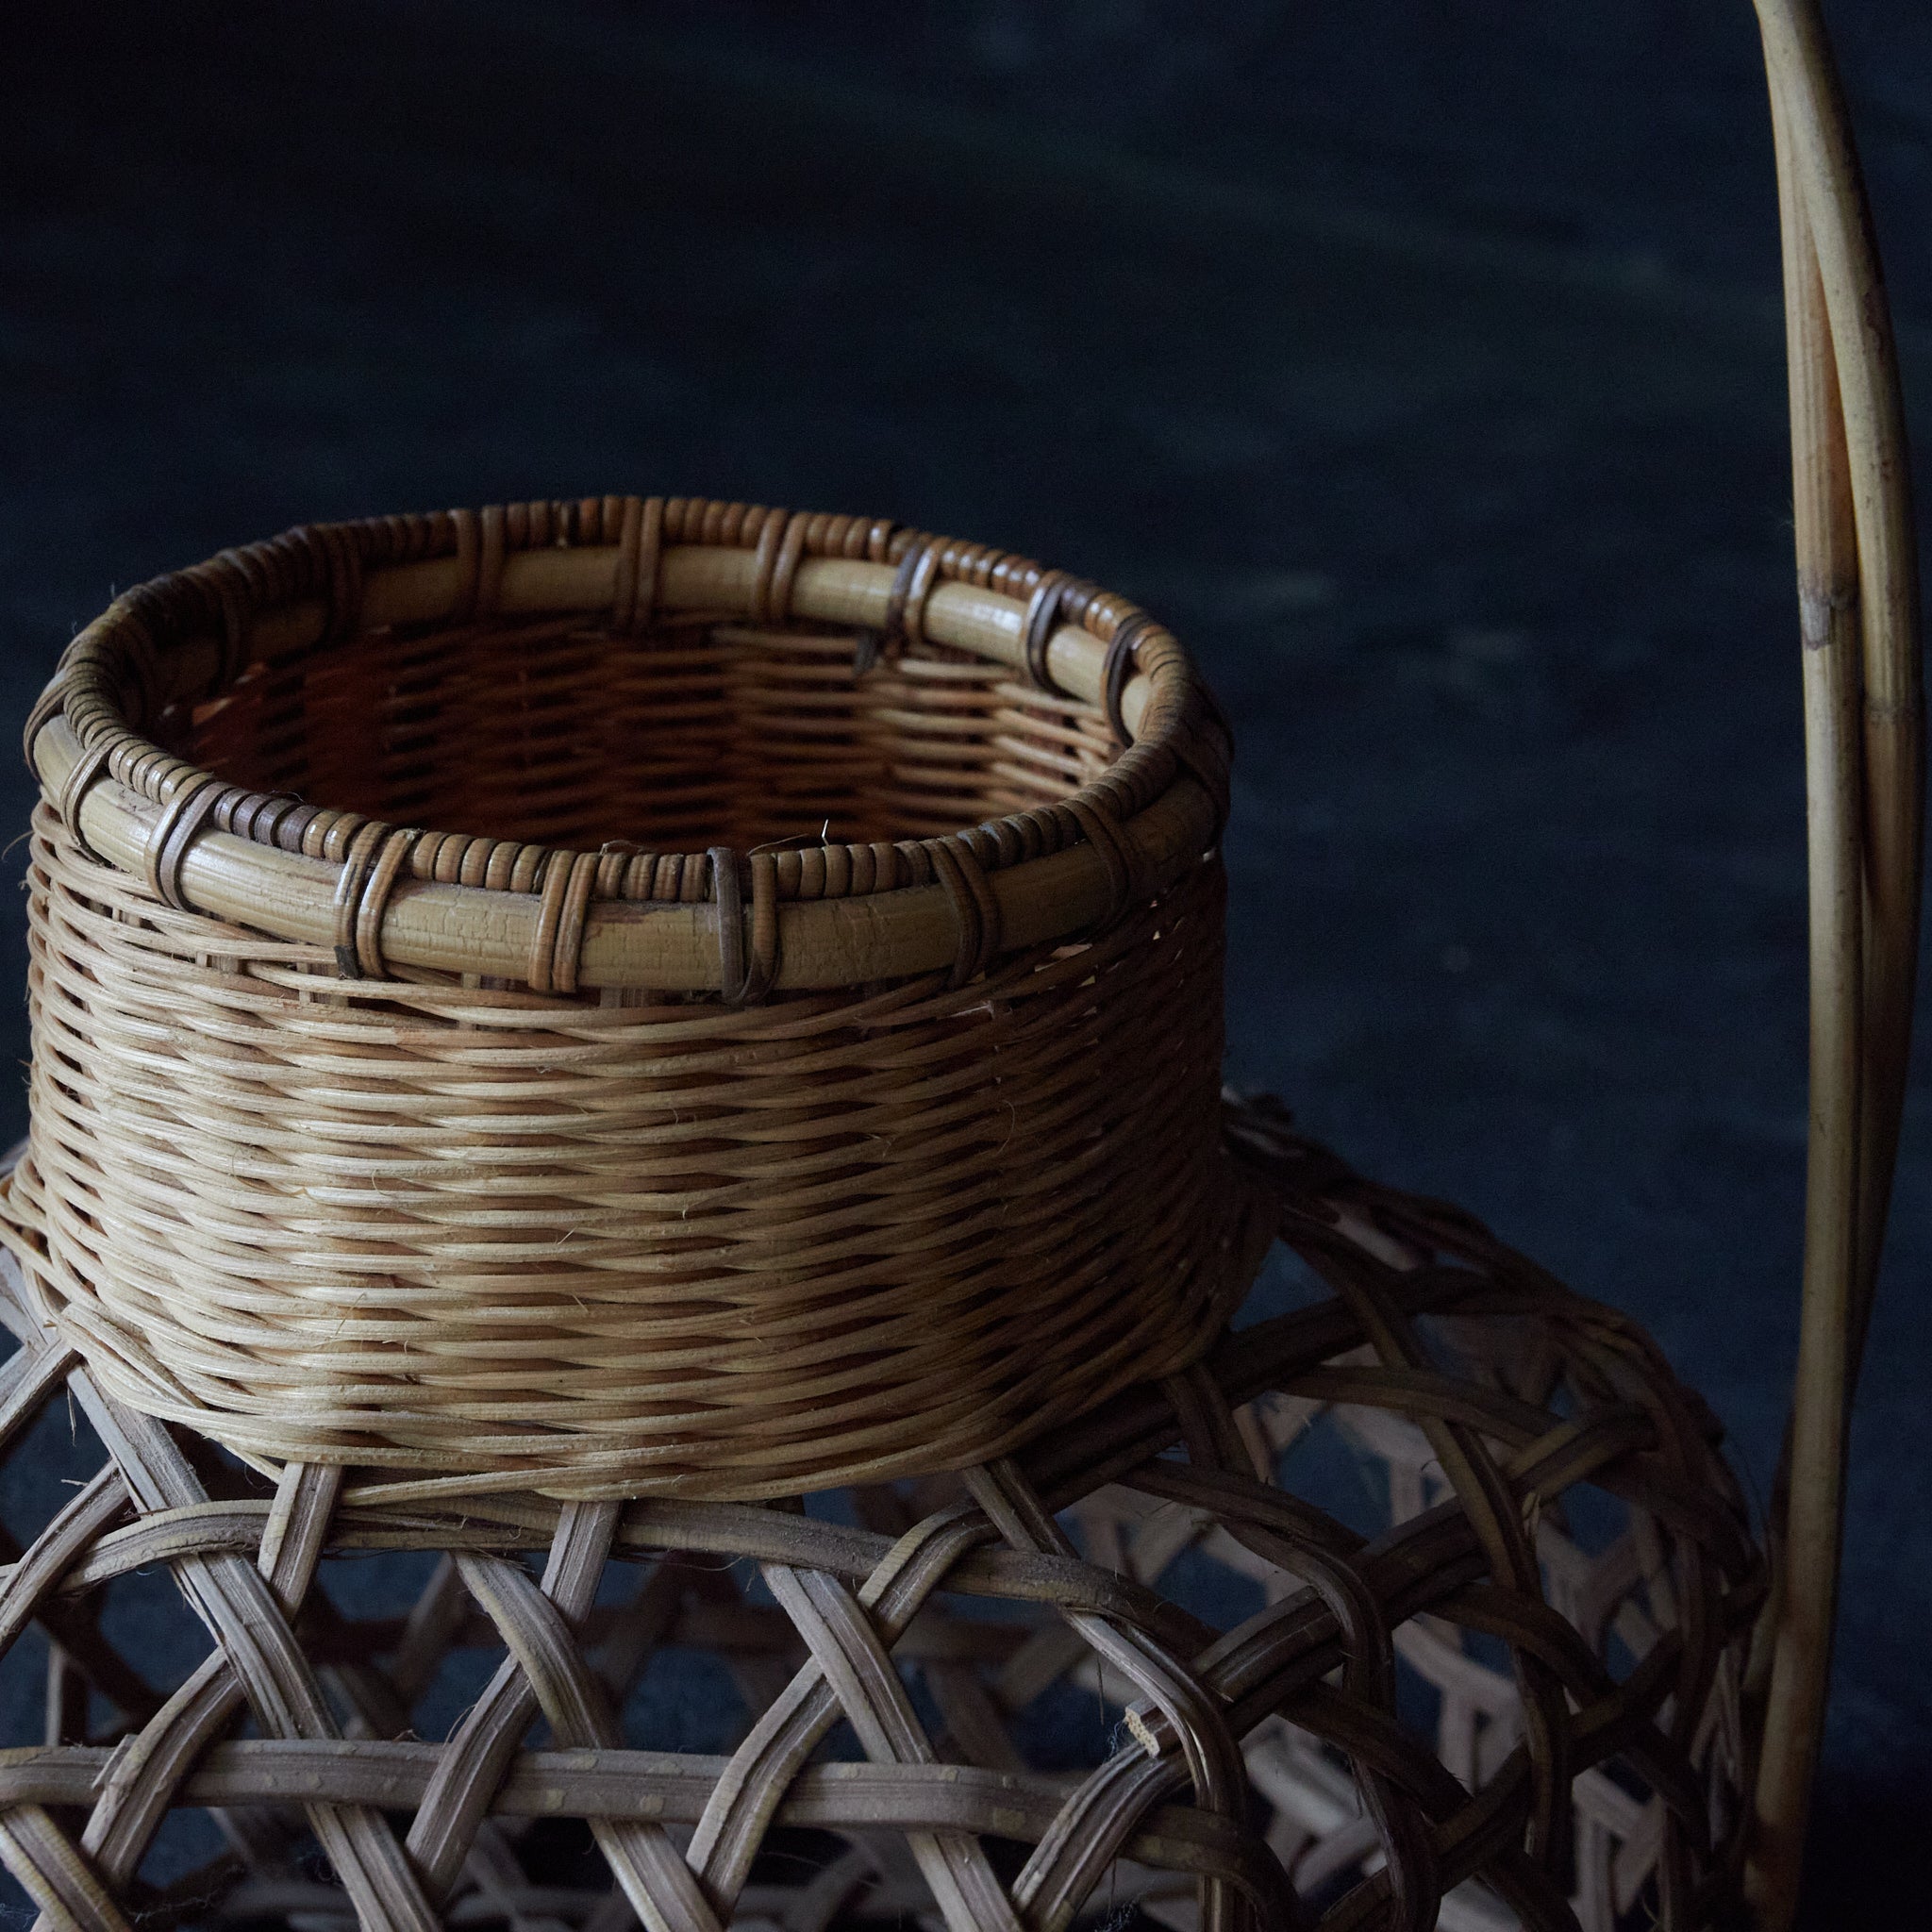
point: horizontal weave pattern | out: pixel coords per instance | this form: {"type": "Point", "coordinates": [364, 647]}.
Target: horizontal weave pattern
{"type": "Point", "coordinates": [334, 1203]}
{"type": "Point", "coordinates": [613, 1249]}
{"type": "Point", "coordinates": [563, 734]}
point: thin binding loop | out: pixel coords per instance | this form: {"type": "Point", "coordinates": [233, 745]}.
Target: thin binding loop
{"type": "Point", "coordinates": [51, 704]}
{"type": "Point", "coordinates": [762, 967]}
{"type": "Point", "coordinates": [330, 833]}
{"type": "Point", "coordinates": [569, 878]}
{"type": "Point", "coordinates": [904, 626]}
{"type": "Point", "coordinates": [974, 907]}
{"type": "Point", "coordinates": [88, 770]}
{"type": "Point", "coordinates": [785, 572]}
{"type": "Point", "coordinates": [1119, 668]}
{"type": "Point", "coordinates": [1205, 755]}
{"type": "Point", "coordinates": [1037, 627]}
{"type": "Point", "coordinates": [641, 546]}
{"type": "Point", "coordinates": [486, 593]}
{"type": "Point", "coordinates": [1108, 838]}
{"type": "Point", "coordinates": [616, 862]}
{"type": "Point", "coordinates": [781, 542]}
{"type": "Point", "coordinates": [375, 860]}
{"type": "Point", "coordinates": [132, 659]}
{"type": "Point", "coordinates": [182, 821]}
{"type": "Point", "coordinates": [728, 896]}
{"type": "Point", "coordinates": [257, 816]}
{"type": "Point", "coordinates": [356, 864]}
{"type": "Point", "coordinates": [468, 530]}
{"type": "Point", "coordinates": [226, 581]}
{"type": "Point", "coordinates": [624, 585]}
{"type": "Point", "coordinates": [341, 558]}
{"type": "Point", "coordinates": [290, 826]}
{"type": "Point", "coordinates": [746, 973]}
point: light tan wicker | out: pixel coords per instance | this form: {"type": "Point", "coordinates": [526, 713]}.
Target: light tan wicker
{"type": "Point", "coordinates": [500, 1190]}
{"type": "Point", "coordinates": [856, 1111]}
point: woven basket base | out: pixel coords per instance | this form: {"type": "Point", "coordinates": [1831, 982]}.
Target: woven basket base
{"type": "Point", "coordinates": [1424, 1600]}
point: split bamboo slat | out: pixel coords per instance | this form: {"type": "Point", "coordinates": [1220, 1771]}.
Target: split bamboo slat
{"type": "Point", "coordinates": [561, 1030]}
{"type": "Point", "coordinates": [1864, 749]}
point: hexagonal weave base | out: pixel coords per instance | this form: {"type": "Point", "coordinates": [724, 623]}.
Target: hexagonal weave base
{"type": "Point", "coordinates": [1422, 1601]}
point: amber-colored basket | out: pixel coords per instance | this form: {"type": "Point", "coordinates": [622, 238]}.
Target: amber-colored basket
{"type": "Point", "coordinates": [565, 1029]}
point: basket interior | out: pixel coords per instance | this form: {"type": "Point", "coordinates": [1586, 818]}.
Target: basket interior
{"type": "Point", "coordinates": [693, 733]}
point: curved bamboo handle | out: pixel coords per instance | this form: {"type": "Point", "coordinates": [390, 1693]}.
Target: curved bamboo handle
{"type": "Point", "coordinates": [1857, 597]}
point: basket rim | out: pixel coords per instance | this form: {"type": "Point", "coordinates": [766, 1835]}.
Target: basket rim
{"type": "Point", "coordinates": [382, 895]}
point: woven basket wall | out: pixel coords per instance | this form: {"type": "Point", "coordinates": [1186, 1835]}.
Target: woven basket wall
{"type": "Point", "coordinates": [792, 1054]}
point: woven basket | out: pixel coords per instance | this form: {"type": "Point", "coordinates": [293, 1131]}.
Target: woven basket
{"type": "Point", "coordinates": [759, 1161]}
{"type": "Point", "coordinates": [798, 1061]}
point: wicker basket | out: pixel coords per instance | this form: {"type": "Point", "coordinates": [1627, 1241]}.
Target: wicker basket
{"type": "Point", "coordinates": [802, 1064]}
{"type": "Point", "coordinates": [467, 1181]}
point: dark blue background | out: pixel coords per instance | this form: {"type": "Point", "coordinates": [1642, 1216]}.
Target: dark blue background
{"type": "Point", "coordinates": [1421, 362]}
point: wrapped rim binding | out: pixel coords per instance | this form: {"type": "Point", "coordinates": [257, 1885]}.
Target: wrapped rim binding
{"type": "Point", "coordinates": [124, 709]}
{"type": "Point", "coordinates": [802, 1066]}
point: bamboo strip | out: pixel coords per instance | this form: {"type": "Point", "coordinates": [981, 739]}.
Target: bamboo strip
{"type": "Point", "coordinates": [1859, 603]}
{"type": "Point", "coordinates": [1547, 1393]}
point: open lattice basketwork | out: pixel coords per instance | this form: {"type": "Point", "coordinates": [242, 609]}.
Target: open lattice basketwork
{"type": "Point", "coordinates": [1423, 1599]}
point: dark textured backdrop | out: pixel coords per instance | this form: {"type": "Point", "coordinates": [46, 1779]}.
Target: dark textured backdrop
{"type": "Point", "coordinates": [1421, 362]}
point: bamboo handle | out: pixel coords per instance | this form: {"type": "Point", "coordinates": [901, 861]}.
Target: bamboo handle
{"type": "Point", "coordinates": [1857, 596]}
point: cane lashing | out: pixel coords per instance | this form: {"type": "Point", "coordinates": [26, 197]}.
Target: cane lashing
{"type": "Point", "coordinates": [86, 772]}
{"type": "Point", "coordinates": [1042, 614]}
{"type": "Point", "coordinates": [918, 570]}
{"type": "Point", "coordinates": [1311, 1694]}
{"type": "Point", "coordinates": [640, 542]}
{"type": "Point", "coordinates": [1121, 651]}
{"type": "Point", "coordinates": [190, 808]}
{"type": "Point", "coordinates": [747, 959]}
{"type": "Point", "coordinates": [569, 880]}
{"type": "Point", "coordinates": [974, 905]}
{"type": "Point", "coordinates": [377, 856]}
